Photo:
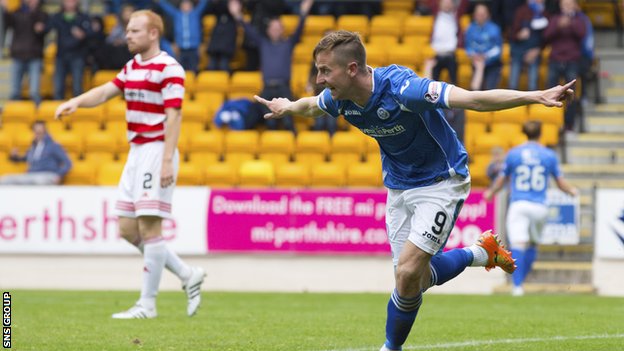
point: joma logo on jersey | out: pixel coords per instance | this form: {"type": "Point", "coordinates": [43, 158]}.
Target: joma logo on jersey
{"type": "Point", "coordinates": [431, 237]}
{"type": "Point", "coordinates": [352, 113]}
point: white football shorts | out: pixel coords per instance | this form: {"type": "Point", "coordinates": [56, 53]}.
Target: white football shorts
{"type": "Point", "coordinates": [424, 216]}
{"type": "Point", "coordinates": [525, 222]}
{"type": "Point", "coordinates": [139, 190]}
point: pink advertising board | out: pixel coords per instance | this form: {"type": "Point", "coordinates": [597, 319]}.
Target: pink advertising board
{"type": "Point", "coordinates": [318, 222]}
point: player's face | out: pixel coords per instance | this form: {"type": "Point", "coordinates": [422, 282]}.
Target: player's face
{"type": "Point", "coordinates": [332, 75]}
{"type": "Point", "coordinates": [138, 35]}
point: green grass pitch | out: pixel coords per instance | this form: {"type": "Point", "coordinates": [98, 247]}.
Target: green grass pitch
{"type": "Point", "coordinates": [80, 320]}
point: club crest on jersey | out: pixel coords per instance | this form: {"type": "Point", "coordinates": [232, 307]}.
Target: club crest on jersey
{"type": "Point", "coordinates": [433, 92]}
{"type": "Point", "coordinates": [382, 113]}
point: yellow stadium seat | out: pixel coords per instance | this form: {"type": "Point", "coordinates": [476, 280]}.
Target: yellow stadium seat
{"type": "Point", "coordinates": [46, 110]}
{"type": "Point", "coordinates": [389, 41]}
{"type": "Point", "coordinates": [109, 173]}
{"type": "Point", "coordinates": [418, 25]}
{"type": "Point", "coordinates": [397, 5]}
{"type": "Point", "coordinates": [292, 174]}
{"type": "Point", "coordinates": [506, 129]}
{"type": "Point", "coordinates": [274, 158]}
{"type": "Point", "coordinates": [364, 175]}
{"type": "Point", "coordinates": [9, 167]}
{"type": "Point", "coordinates": [485, 142]}
{"type": "Point", "coordinates": [388, 25]}
{"type": "Point", "coordinates": [415, 41]}
{"type": "Point", "coordinates": [513, 115]}
{"type": "Point", "coordinates": [212, 101]}
{"type": "Point", "coordinates": [23, 141]}
{"type": "Point", "coordinates": [318, 24]}
{"type": "Point", "coordinates": [405, 55]}
{"type": "Point", "coordinates": [189, 173]}
{"type": "Point", "coordinates": [212, 81]}
{"type": "Point", "coordinates": [347, 146]}
{"type": "Point", "coordinates": [19, 112]}
{"type": "Point", "coordinates": [478, 117]}
{"type": "Point", "coordinates": [317, 142]}
{"type": "Point", "coordinates": [464, 22]}
{"type": "Point", "coordinates": [110, 21]}
{"type": "Point", "coordinates": [236, 158]}
{"type": "Point", "coordinates": [71, 142]}
{"type": "Point", "coordinates": [86, 120]}
{"type": "Point", "coordinates": [256, 173]}
{"type": "Point", "coordinates": [100, 146]}
{"type": "Point", "coordinates": [115, 110]}
{"type": "Point", "coordinates": [49, 52]}
{"type": "Point", "coordinates": [104, 76]}
{"type": "Point", "coordinates": [17, 128]}
{"type": "Point", "coordinates": [354, 23]}
{"type": "Point", "coordinates": [550, 134]}
{"type": "Point", "coordinates": [328, 175]}
{"type": "Point", "coordinates": [545, 114]}
{"type": "Point", "coordinates": [55, 127]}
{"type": "Point", "coordinates": [377, 55]}
{"type": "Point", "coordinates": [478, 174]}
{"type": "Point", "coordinates": [195, 111]}
{"type": "Point", "coordinates": [207, 141]}
{"type": "Point", "coordinates": [302, 53]}
{"type": "Point", "coordinates": [246, 83]}
{"type": "Point", "coordinates": [517, 139]}
{"type": "Point", "coordinates": [221, 174]}
{"type": "Point", "coordinates": [370, 144]}
{"type": "Point", "coordinates": [6, 141]}
{"type": "Point", "coordinates": [289, 22]}
{"type": "Point", "coordinates": [245, 141]}
{"type": "Point", "coordinates": [277, 141]}
{"type": "Point", "coordinates": [81, 173]}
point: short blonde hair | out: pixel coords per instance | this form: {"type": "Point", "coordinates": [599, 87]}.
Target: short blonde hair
{"type": "Point", "coordinates": [346, 45]}
{"type": "Point", "coordinates": [154, 21]}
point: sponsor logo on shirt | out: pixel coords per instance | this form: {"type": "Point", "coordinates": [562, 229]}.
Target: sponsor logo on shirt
{"type": "Point", "coordinates": [352, 113]}
{"type": "Point", "coordinates": [379, 132]}
{"type": "Point", "coordinates": [433, 92]}
{"type": "Point", "coordinates": [382, 113]}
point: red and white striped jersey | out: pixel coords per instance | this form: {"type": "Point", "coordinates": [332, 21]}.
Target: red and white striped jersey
{"type": "Point", "coordinates": [149, 87]}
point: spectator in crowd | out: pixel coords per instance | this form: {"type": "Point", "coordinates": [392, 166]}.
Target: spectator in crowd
{"type": "Point", "coordinates": [275, 56]}
{"type": "Point", "coordinates": [97, 53]}
{"type": "Point", "coordinates": [187, 30]}
{"type": "Point", "coordinates": [444, 41]}
{"type": "Point", "coordinates": [238, 114]}
{"type": "Point", "coordinates": [262, 12]}
{"type": "Point", "coordinates": [28, 24]}
{"type": "Point", "coordinates": [116, 41]}
{"type": "Point", "coordinates": [497, 164]}
{"type": "Point", "coordinates": [47, 161]}
{"type": "Point", "coordinates": [526, 42]}
{"type": "Point", "coordinates": [565, 34]}
{"type": "Point", "coordinates": [503, 13]}
{"type": "Point", "coordinates": [73, 29]}
{"type": "Point", "coordinates": [222, 45]}
{"type": "Point", "coordinates": [484, 44]}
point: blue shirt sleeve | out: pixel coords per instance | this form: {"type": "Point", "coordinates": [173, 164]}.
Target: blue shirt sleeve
{"type": "Point", "coordinates": [422, 94]}
{"type": "Point", "coordinates": [326, 103]}
{"type": "Point", "coordinates": [64, 161]}
{"type": "Point", "coordinates": [554, 166]}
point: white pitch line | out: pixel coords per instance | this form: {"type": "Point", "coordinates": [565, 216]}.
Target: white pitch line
{"type": "Point", "coordinates": [451, 345]}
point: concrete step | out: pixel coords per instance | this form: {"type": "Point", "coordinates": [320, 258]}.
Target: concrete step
{"type": "Point", "coordinates": [590, 182]}
{"type": "Point", "coordinates": [611, 108]}
{"type": "Point", "coordinates": [561, 273]}
{"type": "Point", "coordinates": [584, 140]}
{"type": "Point", "coordinates": [594, 155]}
{"type": "Point", "coordinates": [601, 124]}
{"type": "Point", "coordinates": [549, 288]}
{"type": "Point", "coordinates": [565, 253]}
{"type": "Point", "coordinates": [598, 171]}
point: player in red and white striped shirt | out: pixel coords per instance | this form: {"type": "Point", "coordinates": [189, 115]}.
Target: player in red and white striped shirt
{"type": "Point", "coordinates": [153, 87]}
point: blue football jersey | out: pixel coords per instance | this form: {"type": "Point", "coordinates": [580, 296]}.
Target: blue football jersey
{"type": "Point", "coordinates": [529, 166]}
{"type": "Point", "coordinates": [418, 146]}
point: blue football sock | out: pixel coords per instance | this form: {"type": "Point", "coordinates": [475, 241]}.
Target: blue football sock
{"type": "Point", "coordinates": [519, 274]}
{"type": "Point", "coordinates": [401, 315]}
{"type": "Point", "coordinates": [446, 266]}
{"type": "Point", "coordinates": [529, 257]}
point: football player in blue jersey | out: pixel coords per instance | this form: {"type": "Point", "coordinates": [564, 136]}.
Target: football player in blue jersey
{"type": "Point", "coordinates": [528, 167]}
{"type": "Point", "coordinates": [424, 164]}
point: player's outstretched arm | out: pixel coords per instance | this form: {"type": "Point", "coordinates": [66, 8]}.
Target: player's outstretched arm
{"type": "Point", "coordinates": [280, 107]}
{"type": "Point", "coordinates": [91, 98]}
{"type": "Point", "coordinates": [500, 99]}
{"type": "Point", "coordinates": [489, 193]}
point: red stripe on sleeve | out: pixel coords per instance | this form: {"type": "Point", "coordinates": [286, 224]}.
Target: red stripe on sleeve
{"type": "Point", "coordinates": [173, 103]}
